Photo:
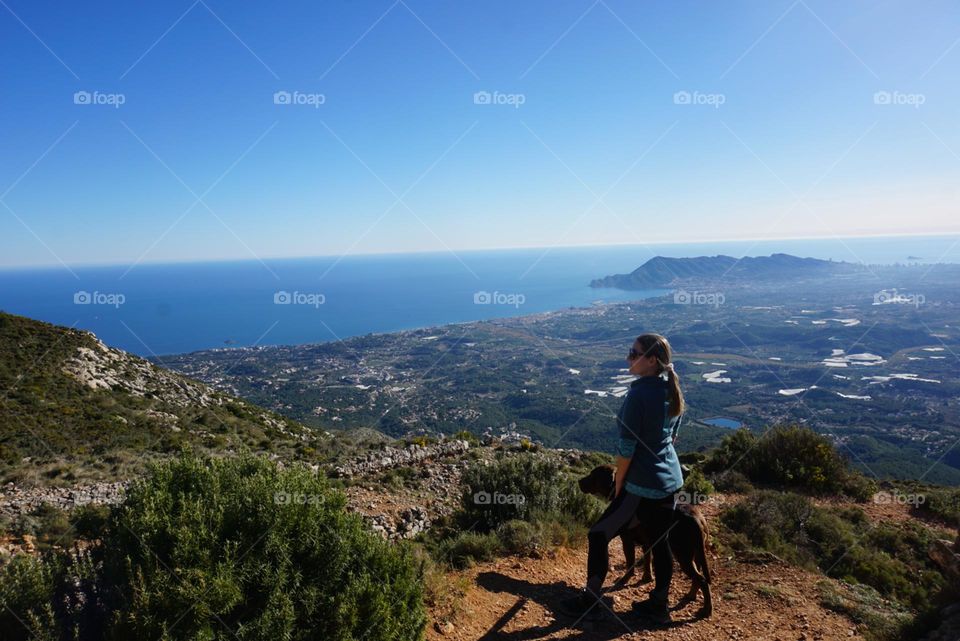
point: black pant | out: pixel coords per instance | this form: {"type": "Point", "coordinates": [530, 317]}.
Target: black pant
{"type": "Point", "coordinates": [657, 517]}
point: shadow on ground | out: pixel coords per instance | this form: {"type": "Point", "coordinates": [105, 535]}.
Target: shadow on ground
{"type": "Point", "coordinates": [610, 625]}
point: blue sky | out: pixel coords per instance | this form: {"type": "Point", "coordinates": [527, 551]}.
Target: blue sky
{"type": "Point", "coordinates": [640, 122]}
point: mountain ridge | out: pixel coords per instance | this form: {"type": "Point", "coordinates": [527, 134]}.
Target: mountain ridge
{"type": "Point", "coordinates": [665, 271]}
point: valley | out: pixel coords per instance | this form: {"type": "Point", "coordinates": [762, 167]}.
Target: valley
{"type": "Point", "coordinates": [868, 357]}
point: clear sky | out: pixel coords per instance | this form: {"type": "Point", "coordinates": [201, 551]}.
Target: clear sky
{"type": "Point", "coordinates": [608, 121]}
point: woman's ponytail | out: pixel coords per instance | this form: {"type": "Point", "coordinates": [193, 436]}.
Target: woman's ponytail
{"type": "Point", "coordinates": [675, 394]}
{"type": "Point", "coordinates": [659, 346]}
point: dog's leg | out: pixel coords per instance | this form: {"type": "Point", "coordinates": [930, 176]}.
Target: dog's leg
{"type": "Point", "coordinates": [687, 540]}
{"type": "Point", "coordinates": [701, 554]}
{"type": "Point", "coordinates": [685, 560]}
{"type": "Point", "coordinates": [629, 550]}
{"type": "Point", "coordinates": [647, 561]}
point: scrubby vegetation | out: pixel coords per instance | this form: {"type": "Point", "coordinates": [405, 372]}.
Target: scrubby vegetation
{"type": "Point", "coordinates": [841, 542]}
{"type": "Point", "coordinates": [520, 504]}
{"type": "Point", "coordinates": [60, 431]}
{"type": "Point", "coordinates": [221, 549]}
{"type": "Point", "coordinates": [789, 457]}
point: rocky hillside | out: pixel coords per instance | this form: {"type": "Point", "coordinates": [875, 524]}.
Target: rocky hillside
{"type": "Point", "coordinates": [73, 410]}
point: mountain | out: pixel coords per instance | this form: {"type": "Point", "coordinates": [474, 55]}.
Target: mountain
{"type": "Point", "coordinates": [663, 271]}
{"type": "Point", "coordinates": [74, 409]}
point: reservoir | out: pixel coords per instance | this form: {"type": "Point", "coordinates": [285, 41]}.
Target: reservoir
{"type": "Point", "coordinates": [722, 421]}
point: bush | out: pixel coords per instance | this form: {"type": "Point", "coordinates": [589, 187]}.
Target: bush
{"type": "Point", "coordinates": [790, 457]}
{"type": "Point", "coordinates": [841, 542]}
{"type": "Point", "coordinates": [51, 597]}
{"type": "Point", "coordinates": [520, 537]}
{"type": "Point", "coordinates": [238, 547]}
{"type": "Point", "coordinates": [218, 550]}
{"type": "Point", "coordinates": [696, 486]}
{"type": "Point", "coordinates": [27, 587]}
{"type": "Point", "coordinates": [466, 548]}
{"type": "Point", "coordinates": [732, 481]}
{"type": "Point", "coordinates": [509, 489]}
{"type": "Point", "coordinates": [943, 503]}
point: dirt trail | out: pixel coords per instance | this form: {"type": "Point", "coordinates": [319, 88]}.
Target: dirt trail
{"type": "Point", "coordinates": [513, 599]}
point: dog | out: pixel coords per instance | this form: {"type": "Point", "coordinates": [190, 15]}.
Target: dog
{"type": "Point", "coordinates": [688, 538]}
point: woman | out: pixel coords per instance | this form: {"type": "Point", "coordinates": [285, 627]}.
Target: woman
{"type": "Point", "coordinates": [647, 479]}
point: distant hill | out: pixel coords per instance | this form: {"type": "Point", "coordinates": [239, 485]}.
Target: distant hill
{"type": "Point", "coordinates": [73, 409]}
{"type": "Point", "coordinates": [662, 271]}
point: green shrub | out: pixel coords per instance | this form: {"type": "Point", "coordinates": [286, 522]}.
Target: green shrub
{"type": "Point", "coordinates": [843, 543]}
{"type": "Point", "coordinates": [582, 509]}
{"type": "Point", "coordinates": [942, 503]}
{"type": "Point", "coordinates": [509, 489]}
{"type": "Point", "coordinates": [696, 486]}
{"type": "Point", "coordinates": [732, 481]}
{"type": "Point", "coordinates": [27, 587]}
{"type": "Point", "coordinates": [520, 537]}
{"type": "Point", "coordinates": [90, 521]}
{"type": "Point", "coordinates": [466, 548]}
{"type": "Point", "coordinates": [789, 457]}
{"type": "Point", "coordinates": [218, 550]}
{"type": "Point", "coordinates": [878, 618]}
{"type": "Point", "coordinates": [238, 548]}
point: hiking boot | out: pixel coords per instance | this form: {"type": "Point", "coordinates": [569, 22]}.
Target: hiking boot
{"type": "Point", "coordinates": [654, 610]}
{"type": "Point", "coordinates": [585, 605]}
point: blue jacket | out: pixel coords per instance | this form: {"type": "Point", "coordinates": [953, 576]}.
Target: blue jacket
{"type": "Point", "coordinates": [646, 436]}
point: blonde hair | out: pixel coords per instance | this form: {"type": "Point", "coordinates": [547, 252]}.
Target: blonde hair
{"type": "Point", "coordinates": [659, 347]}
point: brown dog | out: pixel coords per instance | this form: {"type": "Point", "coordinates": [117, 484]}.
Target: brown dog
{"type": "Point", "coordinates": [687, 537]}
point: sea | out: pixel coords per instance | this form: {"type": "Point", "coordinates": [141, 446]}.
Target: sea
{"type": "Point", "coordinates": [156, 309]}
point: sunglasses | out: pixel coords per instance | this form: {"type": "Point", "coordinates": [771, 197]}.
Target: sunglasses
{"type": "Point", "coordinates": [633, 354]}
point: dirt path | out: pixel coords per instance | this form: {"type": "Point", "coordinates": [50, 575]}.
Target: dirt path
{"type": "Point", "coordinates": [513, 599]}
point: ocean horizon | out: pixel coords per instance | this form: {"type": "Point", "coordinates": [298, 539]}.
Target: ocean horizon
{"type": "Point", "coordinates": [155, 309]}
